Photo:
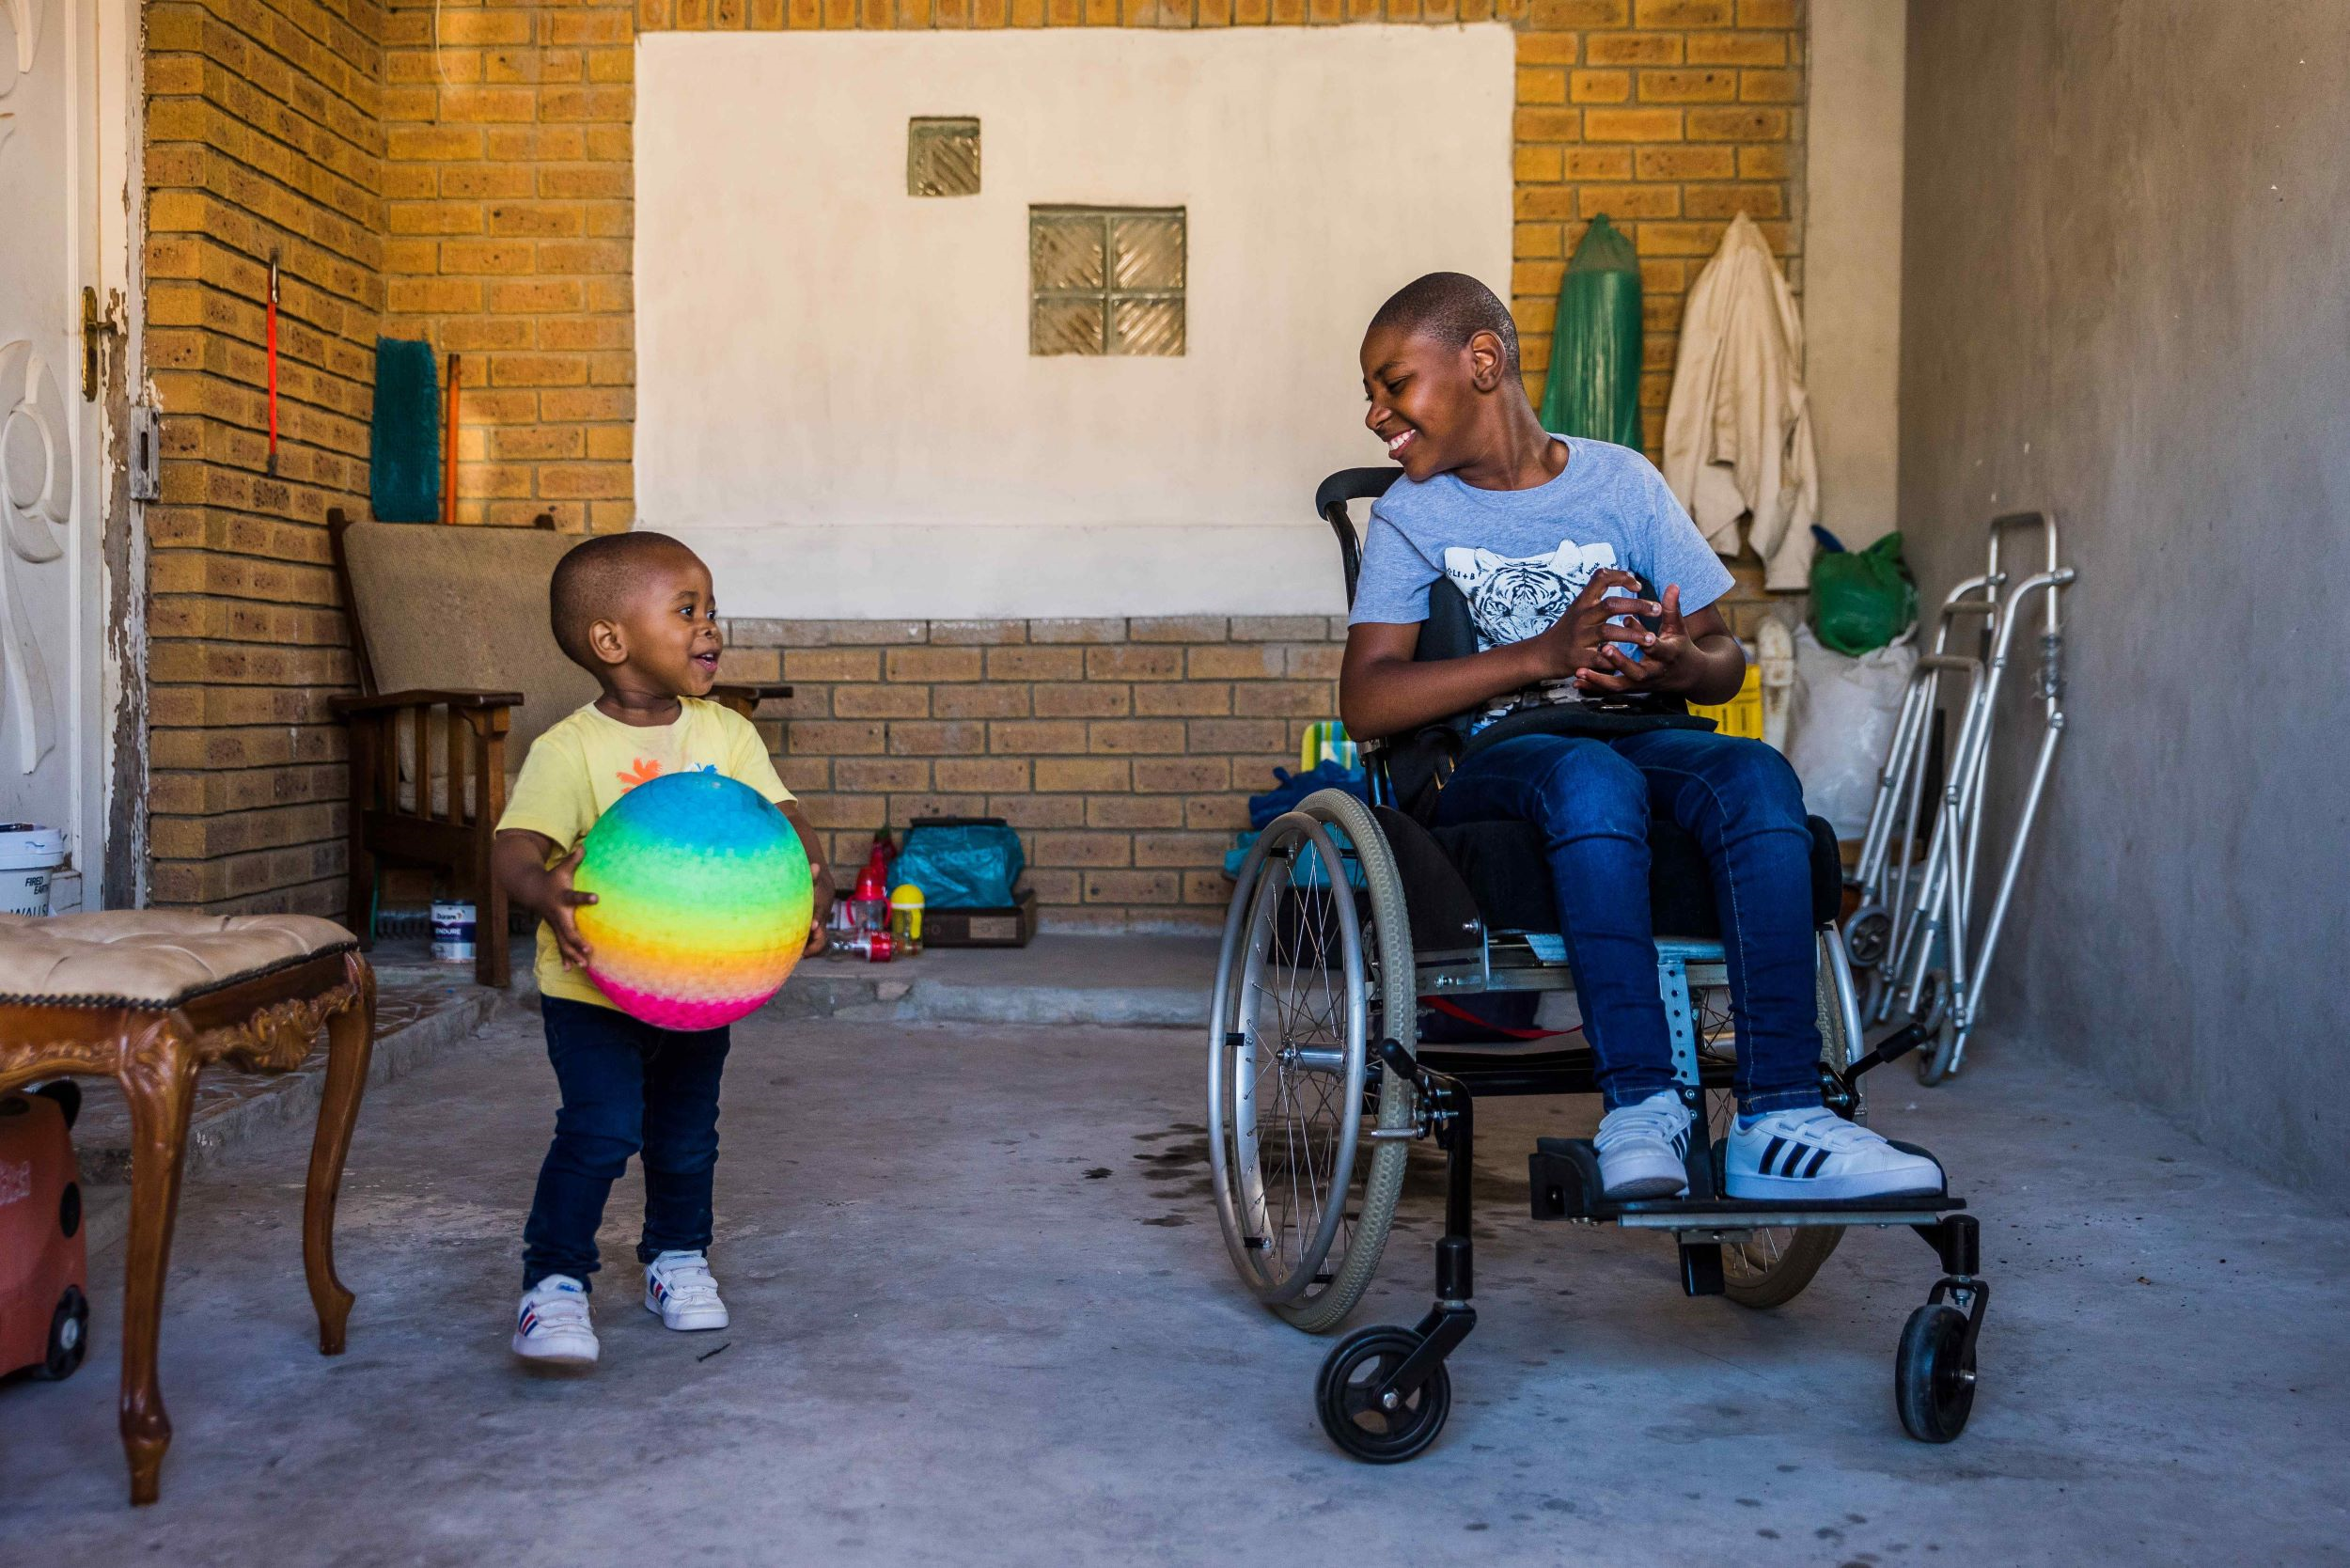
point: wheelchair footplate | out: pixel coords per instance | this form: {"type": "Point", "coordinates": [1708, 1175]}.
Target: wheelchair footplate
{"type": "Point", "coordinates": [1564, 1179]}
{"type": "Point", "coordinates": [1563, 1176]}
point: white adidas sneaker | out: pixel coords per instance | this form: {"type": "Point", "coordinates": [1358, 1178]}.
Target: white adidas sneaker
{"type": "Point", "coordinates": [679, 1287]}
{"type": "Point", "coordinates": [1813, 1152]}
{"type": "Point", "coordinates": [1643, 1149]}
{"type": "Point", "coordinates": [552, 1325]}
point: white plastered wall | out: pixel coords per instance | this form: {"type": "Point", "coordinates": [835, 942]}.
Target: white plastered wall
{"type": "Point", "coordinates": [836, 400]}
{"type": "Point", "coordinates": [1853, 259]}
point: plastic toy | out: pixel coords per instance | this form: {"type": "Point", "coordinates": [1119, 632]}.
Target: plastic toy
{"type": "Point", "coordinates": [703, 905]}
{"type": "Point", "coordinates": [44, 1273]}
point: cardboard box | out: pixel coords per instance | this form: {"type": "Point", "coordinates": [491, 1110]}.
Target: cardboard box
{"type": "Point", "coordinates": [981, 928]}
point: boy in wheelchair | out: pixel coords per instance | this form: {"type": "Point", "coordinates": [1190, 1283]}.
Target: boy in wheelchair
{"type": "Point", "coordinates": [1553, 541]}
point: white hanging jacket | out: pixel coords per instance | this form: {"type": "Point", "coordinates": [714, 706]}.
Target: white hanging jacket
{"type": "Point", "coordinates": [1738, 430]}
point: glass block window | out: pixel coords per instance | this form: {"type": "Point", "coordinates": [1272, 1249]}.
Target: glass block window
{"type": "Point", "coordinates": [1105, 280]}
{"type": "Point", "coordinates": [942, 157]}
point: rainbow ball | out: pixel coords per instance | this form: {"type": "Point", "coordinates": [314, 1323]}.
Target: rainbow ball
{"type": "Point", "coordinates": [702, 900]}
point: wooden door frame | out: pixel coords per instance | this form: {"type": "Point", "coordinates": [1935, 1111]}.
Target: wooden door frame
{"type": "Point", "coordinates": [116, 875]}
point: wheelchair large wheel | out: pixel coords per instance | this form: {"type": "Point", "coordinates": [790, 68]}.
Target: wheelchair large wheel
{"type": "Point", "coordinates": [1311, 976]}
{"type": "Point", "coordinates": [1772, 1266]}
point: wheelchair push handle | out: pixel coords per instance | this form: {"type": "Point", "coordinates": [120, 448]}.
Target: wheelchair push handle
{"type": "Point", "coordinates": [1330, 499]}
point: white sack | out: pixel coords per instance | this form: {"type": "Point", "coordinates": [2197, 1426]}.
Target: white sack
{"type": "Point", "coordinates": [1839, 724]}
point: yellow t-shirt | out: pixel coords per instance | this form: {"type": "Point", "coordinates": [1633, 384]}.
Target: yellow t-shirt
{"type": "Point", "coordinates": [588, 760]}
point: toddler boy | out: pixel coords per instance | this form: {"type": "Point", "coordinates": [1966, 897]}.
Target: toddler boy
{"type": "Point", "coordinates": [1538, 531]}
{"type": "Point", "coordinates": [638, 612]}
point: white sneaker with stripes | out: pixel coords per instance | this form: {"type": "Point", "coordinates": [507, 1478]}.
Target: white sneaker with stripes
{"type": "Point", "coordinates": [552, 1324]}
{"type": "Point", "coordinates": [1815, 1153]}
{"type": "Point", "coordinates": [677, 1286]}
{"type": "Point", "coordinates": [1643, 1149]}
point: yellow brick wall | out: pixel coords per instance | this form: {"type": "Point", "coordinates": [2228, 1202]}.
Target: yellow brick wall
{"type": "Point", "coordinates": [507, 204]}
{"type": "Point", "coordinates": [263, 134]}
{"type": "Point", "coordinates": [507, 184]}
{"type": "Point", "coordinates": [464, 174]}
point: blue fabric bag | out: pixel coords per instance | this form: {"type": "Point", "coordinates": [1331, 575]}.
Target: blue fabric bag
{"type": "Point", "coordinates": [961, 862]}
{"type": "Point", "coordinates": [1306, 870]}
{"type": "Point", "coordinates": [1289, 789]}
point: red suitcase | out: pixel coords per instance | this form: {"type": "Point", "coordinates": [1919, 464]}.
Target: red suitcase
{"type": "Point", "coordinates": [44, 1276]}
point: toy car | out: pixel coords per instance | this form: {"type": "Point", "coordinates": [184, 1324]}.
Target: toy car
{"type": "Point", "coordinates": [44, 1272]}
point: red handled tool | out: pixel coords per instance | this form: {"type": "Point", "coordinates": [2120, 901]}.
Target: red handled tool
{"type": "Point", "coordinates": [272, 362]}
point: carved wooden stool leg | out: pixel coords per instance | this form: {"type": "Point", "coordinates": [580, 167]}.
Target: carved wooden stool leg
{"type": "Point", "coordinates": [350, 1041]}
{"type": "Point", "coordinates": [158, 1076]}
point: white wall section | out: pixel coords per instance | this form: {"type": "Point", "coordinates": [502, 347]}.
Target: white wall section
{"type": "Point", "coordinates": [836, 399]}
{"type": "Point", "coordinates": [1852, 243]}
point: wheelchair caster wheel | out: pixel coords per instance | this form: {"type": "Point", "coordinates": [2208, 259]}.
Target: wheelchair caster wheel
{"type": "Point", "coordinates": [1868, 935]}
{"type": "Point", "coordinates": [1346, 1397]}
{"type": "Point", "coordinates": [1934, 1373]}
{"type": "Point", "coordinates": [69, 1337]}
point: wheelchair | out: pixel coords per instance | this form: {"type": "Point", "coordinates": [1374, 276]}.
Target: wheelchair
{"type": "Point", "coordinates": [1348, 921]}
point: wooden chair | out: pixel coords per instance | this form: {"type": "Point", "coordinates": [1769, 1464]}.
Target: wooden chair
{"type": "Point", "coordinates": [149, 997]}
{"type": "Point", "coordinates": [458, 675]}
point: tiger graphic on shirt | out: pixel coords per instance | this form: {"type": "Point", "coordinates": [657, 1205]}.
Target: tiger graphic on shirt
{"type": "Point", "coordinates": [1513, 598]}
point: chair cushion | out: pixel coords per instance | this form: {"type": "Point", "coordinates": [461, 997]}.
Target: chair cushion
{"type": "Point", "coordinates": [466, 608]}
{"type": "Point", "coordinates": [1502, 863]}
{"type": "Point", "coordinates": [156, 958]}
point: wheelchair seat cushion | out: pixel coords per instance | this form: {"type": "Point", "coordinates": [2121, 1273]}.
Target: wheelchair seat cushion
{"type": "Point", "coordinates": [1503, 865]}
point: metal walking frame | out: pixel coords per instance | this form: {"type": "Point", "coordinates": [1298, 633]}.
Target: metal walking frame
{"type": "Point", "coordinates": [1911, 933]}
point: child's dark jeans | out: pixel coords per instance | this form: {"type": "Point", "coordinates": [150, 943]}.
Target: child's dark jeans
{"type": "Point", "coordinates": [627, 1086]}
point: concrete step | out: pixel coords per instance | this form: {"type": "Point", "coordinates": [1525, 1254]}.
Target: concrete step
{"type": "Point", "coordinates": [1110, 982]}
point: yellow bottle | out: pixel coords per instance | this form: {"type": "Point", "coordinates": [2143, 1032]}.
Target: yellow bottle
{"type": "Point", "coordinates": [905, 916]}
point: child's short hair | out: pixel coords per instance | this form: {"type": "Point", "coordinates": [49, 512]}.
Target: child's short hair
{"type": "Point", "coordinates": [592, 581]}
{"type": "Point", "coordinates": [1451, 307]}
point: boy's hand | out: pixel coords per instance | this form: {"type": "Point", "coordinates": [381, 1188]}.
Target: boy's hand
{"type": "Point", "coordinates": [518, 858]}
{"type": "Point", "coordinates": [557, 899]}
{"type": "Point", "coordinates": [819, 879]}
{"type": "Point", "coordinates": [820, 909]}
{"type": "Point", "coordinates": [1668, 662]}
{"type": "Point", "coordinates": [1574, 643]}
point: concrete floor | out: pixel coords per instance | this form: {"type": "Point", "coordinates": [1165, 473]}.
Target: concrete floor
{"type": "Point", "coordinates": [957, 1340]}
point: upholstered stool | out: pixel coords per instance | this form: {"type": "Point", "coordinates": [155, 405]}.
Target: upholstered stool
{"type": "Point", "coordinates": [149, 997]}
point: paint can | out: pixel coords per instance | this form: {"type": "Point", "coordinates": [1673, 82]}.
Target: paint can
{"type": "Point", "coordinates": [452, 932]}
{"type": "Point", "coordinates": [29, 853]}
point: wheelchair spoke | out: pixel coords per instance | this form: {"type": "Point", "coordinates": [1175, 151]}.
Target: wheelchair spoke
{"type": "Point", "coordinates": [1308, 1014]}
{"type": "Point", "coordinates": [1294, 1097]}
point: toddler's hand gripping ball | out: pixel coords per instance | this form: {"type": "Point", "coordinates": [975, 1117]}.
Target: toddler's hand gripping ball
{"type": "Point", "coordinates": [702, 900]}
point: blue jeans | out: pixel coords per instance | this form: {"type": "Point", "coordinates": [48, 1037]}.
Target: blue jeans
{"type": "Point", "coordinates": [1592, 800]}
{"type": "Point", "coordinates": [627, 1086]}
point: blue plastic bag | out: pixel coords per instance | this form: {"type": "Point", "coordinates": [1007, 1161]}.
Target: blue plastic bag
{"type": "Point", "coordinates": [961, 863]}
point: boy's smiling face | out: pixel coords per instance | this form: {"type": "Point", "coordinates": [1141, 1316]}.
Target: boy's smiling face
{"type": "Point", "coordinates": [666, 635]}
{"type": "Point", "coordinates": [1428, 398]}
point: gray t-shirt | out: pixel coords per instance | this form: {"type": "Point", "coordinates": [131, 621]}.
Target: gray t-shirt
{"type": "Point", "coordinates": [1520, 557]}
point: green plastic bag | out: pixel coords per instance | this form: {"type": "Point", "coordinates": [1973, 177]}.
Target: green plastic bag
{"type": "Point", "coordinates": [1862, 599]}
{"type": "Point", "coordinates": [404, 446]}
{"type": "Point", "coordinates": [1594, 384]}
